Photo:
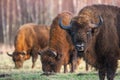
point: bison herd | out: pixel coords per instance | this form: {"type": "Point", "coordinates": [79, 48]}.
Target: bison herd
{"type": "Point", "coordinates": [93, 34]}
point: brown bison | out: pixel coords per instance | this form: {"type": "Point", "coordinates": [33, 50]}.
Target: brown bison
{"type": "Point", "coordinates": [60, 50]}
{"type": "Point", "coordinates": [96, 31]}
{"type": "Point", "coordinates": [29, 40]}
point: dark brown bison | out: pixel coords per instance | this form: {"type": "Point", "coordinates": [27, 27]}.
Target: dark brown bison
{"type": "Point", "coordinates": [60, 50]}
{"type": "Point", "coordinates": [29, 40]}
{"type": "Point", "coordinates": [96, 31]}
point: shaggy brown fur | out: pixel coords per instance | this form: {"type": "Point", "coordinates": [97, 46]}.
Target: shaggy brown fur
{"type": "Point", "coordinates": [102, 42]}
{"type": "Point", "coordinates": [60, 43]}
{"type": "Point", "coordinates": [29, 39]}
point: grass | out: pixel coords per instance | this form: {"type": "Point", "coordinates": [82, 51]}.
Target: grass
{"type": "Point", "coordinates": [7, 72]}
{"type": "Point", "coordinates": [37, 76]}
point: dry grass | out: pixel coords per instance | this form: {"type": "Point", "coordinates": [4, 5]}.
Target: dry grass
{"type": "Point", "coordinates": [7, 71]}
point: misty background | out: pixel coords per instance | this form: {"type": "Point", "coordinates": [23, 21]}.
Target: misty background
{"type": "Point", "coordinates": [14, 13]}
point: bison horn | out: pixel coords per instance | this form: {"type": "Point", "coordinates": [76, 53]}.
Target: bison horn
{"type": "Point", "coordinates": [9, 54]}
{"type": "Point", "coordinates": [62, 26]}
{"type": "Point", "coordinates": [54, 53]}
{"type": "Point", "coordinates": [98, 24]}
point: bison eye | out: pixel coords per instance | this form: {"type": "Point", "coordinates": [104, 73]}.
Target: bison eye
{"type": "Point", "coordinates": [71, 33]}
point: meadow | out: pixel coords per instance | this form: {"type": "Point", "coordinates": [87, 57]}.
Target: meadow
{"type": "Point", "coordinates": [7, 72]}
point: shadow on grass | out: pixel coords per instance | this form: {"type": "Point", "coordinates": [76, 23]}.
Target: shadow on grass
{"type": "Point", "coordinates": [80, 74]}
{"type": "Point", "coordinates": [4, 75]}
{"type": "Point", "coordinates": [48, 74]}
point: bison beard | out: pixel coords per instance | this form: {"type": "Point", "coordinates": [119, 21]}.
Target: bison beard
{"type": "Point", "coordinates": [101, 42]}
{"type": "Point", "coordinates": [29, 40]}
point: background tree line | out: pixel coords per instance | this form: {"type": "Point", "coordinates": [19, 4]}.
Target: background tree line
{"type": "Point", "coordinates": [14, 13]}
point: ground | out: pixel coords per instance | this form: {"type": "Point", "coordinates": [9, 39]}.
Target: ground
{"type": "Point", "coordinates": [7, 72]}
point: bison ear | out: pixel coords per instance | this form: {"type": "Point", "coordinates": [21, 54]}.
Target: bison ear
{"type": "Point", "coordinates": [9, 54]}
{"type": "Point", "coordinates": [95, 25]}
{"type": "Point", "coordinates": [95, 31]}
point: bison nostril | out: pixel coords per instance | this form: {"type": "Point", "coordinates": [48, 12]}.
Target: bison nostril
{"type": "Point", "coordinates": [80, 47]}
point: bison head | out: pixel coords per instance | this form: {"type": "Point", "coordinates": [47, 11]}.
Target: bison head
{"type": "Point", "coordinates": [82, 28]}
{"type": "Point", "coordinates": [50, 61]}
{"type": "Point", "coordinates": [18, 58]}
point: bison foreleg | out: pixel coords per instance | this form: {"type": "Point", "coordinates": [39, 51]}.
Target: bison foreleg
{"type": "Point", "coordinates": [34, 58]}
{"type": "Point", "coordinates": [65, 68]}
{"type": "Point", "coordinates": [74, 66]}
{"type": "Point", "coordinates": [102, 72]}
{"type": "Point", "coordinates": [74, 60]}
{"type": "Point", "coordinates": [111, 69]}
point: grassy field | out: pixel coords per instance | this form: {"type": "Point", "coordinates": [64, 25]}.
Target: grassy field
{"type": "Point", "coordinates": [7, 72]}
{"type": "Point", "coordinates": [36, 75]}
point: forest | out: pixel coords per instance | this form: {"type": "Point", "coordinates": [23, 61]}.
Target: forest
{"type": "Point", "coordinates": [14, 13]}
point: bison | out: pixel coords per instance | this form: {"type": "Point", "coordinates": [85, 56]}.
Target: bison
{"type": "Point", "coordinates": [96, 31]}
{"type": "Point", "coordinates": [60, 50]}
{"type": "Point", "coordinates": [29, 40]}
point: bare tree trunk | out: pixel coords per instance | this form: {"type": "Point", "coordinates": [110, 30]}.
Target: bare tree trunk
{"type": "Point", "coordinates": [4, 20]}
{"type": "Point", "coordinates": [1, 26]}
{"type": "Point", "coordinates": [50, 12]}
{"type": "Point", "coordinates": [12, 21]}
{"type": "Point", "coordinates": [8, 21]}
{"type": "Point", "coordinates": [19, 12]}
{"type": "Point", "coordinates": [75, 6]}
{"type": "Point", "coordinates": [36, 11]}
{"type": "Point", "coordinates": [41, 11]}
{"type": "Point", "coordinates": [28, 10]}
{"type": "Point", "coordinates": [23, 11]}
{"type": "Point", "coordinates": [56, 7]}
{"type": "Point", "coordinates": [60, 5]}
